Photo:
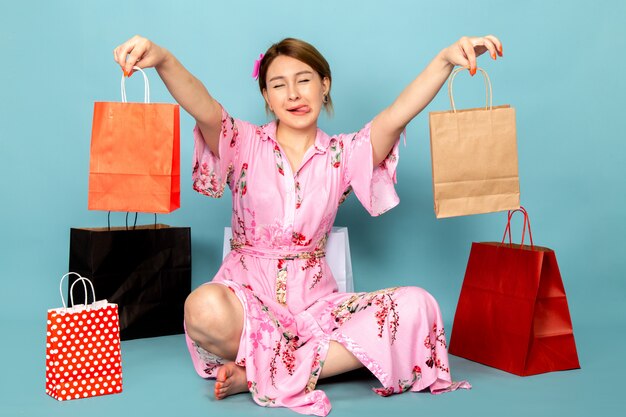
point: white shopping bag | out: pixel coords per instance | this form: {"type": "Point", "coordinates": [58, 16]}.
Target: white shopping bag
{"type": "Point", "coordinates": [337, 256]}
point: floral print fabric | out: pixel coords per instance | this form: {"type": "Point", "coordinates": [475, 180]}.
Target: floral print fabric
{"type": "Point", "coordinates": [280, 221]}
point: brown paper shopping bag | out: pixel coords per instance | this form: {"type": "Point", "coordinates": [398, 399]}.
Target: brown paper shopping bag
{"type": "Point", "coordinates": [474, 157]}
{"type": "Point", "coordinates": [135, 156]}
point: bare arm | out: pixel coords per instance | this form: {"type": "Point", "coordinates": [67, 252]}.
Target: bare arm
{"type": "Point", "coordinates": [186, 89]}
{"type": "Point", "coordinates": [389, 124]}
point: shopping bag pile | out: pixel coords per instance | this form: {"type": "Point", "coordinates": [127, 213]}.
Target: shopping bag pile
{"type": "Point", "coordinates": [512, 312]}
{"type": "Point", "coordinates": [135, 167]}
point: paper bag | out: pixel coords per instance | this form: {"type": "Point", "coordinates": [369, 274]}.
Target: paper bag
{"type": "Point", "coordinates": [145, 270]}
{"type": "Point", "coordinates": [474, 158]}
{"type": "Point", "coordinates": [135, 156]}
{"type": "Point", "coordinates": [83, 355]}
{"type": "Point", "coordinates": [512, 312]}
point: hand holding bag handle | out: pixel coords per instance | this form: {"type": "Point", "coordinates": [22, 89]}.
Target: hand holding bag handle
{"type": "Point", "coordinates": [474, 157]}
{"type": "Point", "coordinates": [488, 88]}
{"type": "Point", "coordinates": [135, 155]}
{"type": "Point", "coordinates": [146, 85]}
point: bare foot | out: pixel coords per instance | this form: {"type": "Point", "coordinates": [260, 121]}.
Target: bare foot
{"type": "Point", "coordinates": [231, 379]}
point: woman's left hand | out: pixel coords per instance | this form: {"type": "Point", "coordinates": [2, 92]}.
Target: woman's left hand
{"type": "Point", "coordinates": [465, 51]}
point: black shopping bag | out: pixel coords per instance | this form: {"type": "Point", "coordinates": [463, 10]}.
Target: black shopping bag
{"type": "Point", "coordinates": [145, 270]}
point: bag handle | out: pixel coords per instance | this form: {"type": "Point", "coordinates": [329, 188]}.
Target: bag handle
{"type": "Point", "coordinates": [488, 90]}
{"type": "Point", "coordinates": [93, 291]}
{"type": "Point", "coordinates": [146, 87]}
{"type": "Point", "coordinates": [507, 230]}
{"type": "Point", "coordinates": [81, 279]}
{"type": "Point", "coordinates": [134, 223]}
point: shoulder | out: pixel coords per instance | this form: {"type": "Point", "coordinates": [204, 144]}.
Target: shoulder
{"type": "Point", "coordinates": [238, 131]}
{"type": "Point", "coordinates": [348, 139]}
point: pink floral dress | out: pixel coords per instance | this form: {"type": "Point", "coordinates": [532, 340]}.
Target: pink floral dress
{"type": "Point", "coordinates": [280, 222]}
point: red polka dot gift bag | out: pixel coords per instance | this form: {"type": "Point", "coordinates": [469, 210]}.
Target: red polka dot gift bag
{"type": "Point", "coordinates": [83, 355]}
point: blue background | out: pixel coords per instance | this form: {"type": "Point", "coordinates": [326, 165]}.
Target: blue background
{"type": "Point", "coordinates": [562, 70]}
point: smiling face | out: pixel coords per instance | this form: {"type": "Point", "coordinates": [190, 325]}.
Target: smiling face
{"type": "Point", "coordinates": [295, 92]}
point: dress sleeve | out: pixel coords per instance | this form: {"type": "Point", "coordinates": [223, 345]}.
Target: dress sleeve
{"type": "Point", "coordinates": [373, 186]}
{"type": "Point", "coordinates": [211, 174]}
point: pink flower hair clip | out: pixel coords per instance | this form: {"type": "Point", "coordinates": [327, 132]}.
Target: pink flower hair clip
{"type": "Point", "coordinates": [257, 67]}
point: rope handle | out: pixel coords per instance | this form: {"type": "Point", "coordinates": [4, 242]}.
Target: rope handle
{"type": "Point", "coordinates": [93, 291]}
{"type": "Point", "coordinates": [507, 230]}
{"type": "Point", "coordinates": [134, 223]}
{"type": "Point", "coordinates": [146, 87]}
{"type": "Point", "coordinates": [81, 279]}
{"type": "Point", "coordinates": [488, 89]}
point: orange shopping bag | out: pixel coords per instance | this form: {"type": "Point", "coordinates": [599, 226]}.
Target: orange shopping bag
{"type": "Point", "coordinates": [135, 156]}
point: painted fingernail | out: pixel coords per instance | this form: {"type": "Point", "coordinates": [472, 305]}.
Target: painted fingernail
{"type": "Point", "coordinates": [493, 55]}
{"type": "Point", "coordinates": [472, 71]}
{"type": "Point", "coordinates": [500, 50]}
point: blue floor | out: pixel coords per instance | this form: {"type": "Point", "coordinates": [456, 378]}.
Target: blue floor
{"type": "Point", "coordinates": [159, 381]}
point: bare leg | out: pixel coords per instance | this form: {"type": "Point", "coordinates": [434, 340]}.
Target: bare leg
{"type": "Point", "coordinates": [339, 360]}
{"type": "Point", "coordinates": [214, 320]}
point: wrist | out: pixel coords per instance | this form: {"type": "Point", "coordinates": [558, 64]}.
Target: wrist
{"type": "Point", "coordinates": [442, 61]}
{"type": "Point", "coordinates": [165, 61]}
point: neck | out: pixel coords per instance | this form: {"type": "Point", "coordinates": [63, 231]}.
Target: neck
{"type": "Point", "coordinates": [298, 139]}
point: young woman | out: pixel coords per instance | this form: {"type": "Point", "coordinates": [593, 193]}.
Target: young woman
{"type": "Point", "coordinates": [271, 322]}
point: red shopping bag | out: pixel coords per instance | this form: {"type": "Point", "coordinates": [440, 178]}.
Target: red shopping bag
{"type": "Point", "coordinates": [512, 312]}
{"type": "Point", "coordinates": [135, 156]}
{"type": "Point", "coordinates": [83, 356]}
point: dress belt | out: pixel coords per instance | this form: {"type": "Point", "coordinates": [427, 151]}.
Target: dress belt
{"type": "Point", "coordinates": [269, 254]}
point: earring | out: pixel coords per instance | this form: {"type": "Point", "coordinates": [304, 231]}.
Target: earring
{"type": "Point", "coordinates": [325, 99]}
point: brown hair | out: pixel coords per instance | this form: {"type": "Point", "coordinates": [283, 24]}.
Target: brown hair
{"type": "Point", "coordinates": [302, 51]}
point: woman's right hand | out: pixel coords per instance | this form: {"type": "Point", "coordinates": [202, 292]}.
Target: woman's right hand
{"type": "Point", "coordinates": [186, 89]}
{"type": "Point", "coordinates": [138, 51]}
